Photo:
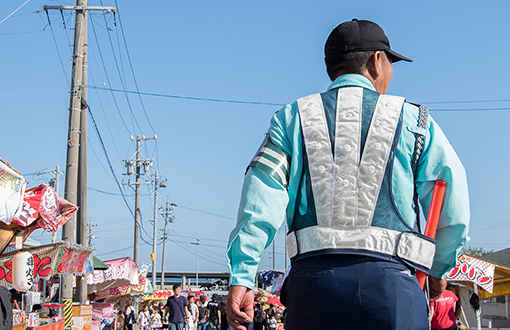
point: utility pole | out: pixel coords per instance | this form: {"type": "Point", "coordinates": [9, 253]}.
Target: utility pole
{"type": "Point", "coordinates": [197, 243]}
{"type": "Point", "coordinates": [55, 183]}
{"type": "Point", "coordinates": [81, 221]}
{"type": "Point", "coordinates": [158, 183]}
{"type": "Point", "coordinates": [169, 217]}
{"type": "Point", "coordinates": [77, 138]}
{"type": "Point", "coordinates": [137, 163]}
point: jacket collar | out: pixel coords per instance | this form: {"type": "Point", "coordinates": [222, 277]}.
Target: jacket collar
{"type": "Point", "coordinates": [351, 79]}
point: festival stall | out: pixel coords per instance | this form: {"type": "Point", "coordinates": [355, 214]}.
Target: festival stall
{"type": "Point", "coordinates": [120, 272]}
{"type": "Point", "coordinates": [58, 258]}
{"type": "Point", "coordinates": [41, 207]}
{"type": "Point", "coordinates": [115, 295]}
{"type": "Point", "coordinates": [486, 279]}
{"type": "Point", "coordinates": [21, 212]}
{"type": "Point", "coordinates": [494, 280]}
{"type": "Point", "coordinates": [143, 287]}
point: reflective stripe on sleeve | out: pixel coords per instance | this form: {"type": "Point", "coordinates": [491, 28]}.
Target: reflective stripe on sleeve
{"type": "Point", "coordinates": [274, 161]}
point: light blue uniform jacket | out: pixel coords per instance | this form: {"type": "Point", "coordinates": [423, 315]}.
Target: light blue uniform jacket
{"type": "Point", "coordinates": [265, 203]}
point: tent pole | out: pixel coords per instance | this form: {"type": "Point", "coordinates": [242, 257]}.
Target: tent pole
{"type": "Point", "coordinates": [478, 312]}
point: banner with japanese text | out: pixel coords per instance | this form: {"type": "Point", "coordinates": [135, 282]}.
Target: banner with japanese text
{"type": "Point", "coordinates": [44, 205]}
{"type": "Point", "coordinates": [58, 258]}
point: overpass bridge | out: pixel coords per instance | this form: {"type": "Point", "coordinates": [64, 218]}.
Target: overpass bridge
{"type": "Point", "coordinates": [209, 280]}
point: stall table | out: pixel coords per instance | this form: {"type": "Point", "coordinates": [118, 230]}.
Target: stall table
{"type": "Point", "coordinates": [21, 326]}
{"type": "Point", "coordinates": [51, 326]}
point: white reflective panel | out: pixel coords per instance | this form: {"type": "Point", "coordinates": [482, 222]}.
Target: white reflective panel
{"type": "Point", "coordinates": [318, 149]}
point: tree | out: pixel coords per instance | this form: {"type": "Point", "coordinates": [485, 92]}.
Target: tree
{"type": "Point", "coordinates": [476, 251]}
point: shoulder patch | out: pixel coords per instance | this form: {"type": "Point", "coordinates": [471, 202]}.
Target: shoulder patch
{"type": "Point", "coordinates": [273, 160]}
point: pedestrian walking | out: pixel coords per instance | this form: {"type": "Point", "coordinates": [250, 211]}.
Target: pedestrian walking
{"type": "Point", "coordinates": [203, 316]}
{"type": "Point", "coordinates": [156, 322]}
{"type": "Point", "coordinates": [130, 315]}
{"type": "Point", "coordinates": [144, 318]}
{"type": "Point", "coordinates": [214, 313]}
{"type": "Point", "coordinates": [193, 318]}
{"type": "Point", "coordinates": [177, 309]}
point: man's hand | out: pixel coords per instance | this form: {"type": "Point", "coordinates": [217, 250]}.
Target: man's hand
{"type": "Point", "coordinates": [239, 297]}
{"type": "Point", "coordinates": [436, 287]}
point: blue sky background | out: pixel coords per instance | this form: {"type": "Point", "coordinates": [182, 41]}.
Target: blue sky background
{"type": "Point", "coordinates": [264, 51]}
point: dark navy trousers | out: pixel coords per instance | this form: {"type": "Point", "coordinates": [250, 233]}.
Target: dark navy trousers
{"type": "Point", "coordinates": [337, 291]}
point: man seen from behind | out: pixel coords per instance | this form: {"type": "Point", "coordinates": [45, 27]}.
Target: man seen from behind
{"type": "Point", "coordinates": [343, 165]}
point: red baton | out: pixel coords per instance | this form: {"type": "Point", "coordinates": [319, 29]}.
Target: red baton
{"type": "Point", "coordinates": [432, 220]}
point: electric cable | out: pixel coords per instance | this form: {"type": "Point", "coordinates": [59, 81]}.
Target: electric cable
{"type": "Point", "coordinates": [280, 104]}
{"type": "Point", "coordinates": [201, 257]}
{"type": "Point", "coordinates": [99, 161]}
{"type": "Point", "coordinates": [108, 158]}
{"type": "Point", "coordinates": [131, 67]}
{"type": "Point", "coordinates": [188, 97]}
{"type": "Point", "coordinates": [205, 212]}
{"type": "Point", "coordinates": [106, 120]}
{"type": "Point", "coordinates": [108, 78]}
{"type": "Point", "coordinates": [122, 82]}
{"type": "Point", "coordinates": [58, 52]}
{"type": "Point", "coordinates": [106, 192]}
{"type": "Point", "coordinates": [16, 11]}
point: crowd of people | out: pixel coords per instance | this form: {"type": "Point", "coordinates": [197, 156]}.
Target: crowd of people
{"type": "Point", "coordinates": [196, 313]}
{"type": "Point", "coordinates": [188, 313]}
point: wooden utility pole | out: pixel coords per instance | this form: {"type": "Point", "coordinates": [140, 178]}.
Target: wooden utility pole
{"type": "Point", "coordinates": [155, 229]}
{"type": "Point", "coordinates": [75, 190]}
{"type": "Point", "coordinates": [74, 138]}
{"type": "Point", "coordinates": [81, 221]}
{"type": "Point", "coordinates": [138, 162]}
{"type": "Point", "coordinates": [168, 218]}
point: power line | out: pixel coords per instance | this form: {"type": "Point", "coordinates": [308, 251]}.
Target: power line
{"type": "Point", "coordinates": [106, 192]}
{"type": "Point", "coordinates": [107, 77]}
{"type": "Point", "coordinates": [209, 213]}
{"type": "Point", "coordinates": [108, 159]}
{"type": "Point", "coordinates": [474, 101]}
{"type": "Point", "coordinates": [14, 12]}
{"type": "Point", "coordinates": [180, 206]}
{"type": "Point", "coordinates": [479, 109]}
{"type": "Point", "coordinates": [58, 51]}
{"type": "Point", "coordinates": [282, 104]}
{"type": "Point", "coordinates": [106, 120]}
{"type": "Point", "coordinates": [132, 70]}
{"type": "Point", "coordinates": [133, 118]}
{"type": "Point", "coordinates": [98, 160]}
{"type": "Point", "coordinates": [186, 97]}
{"type": "Point", "coordinates": [200, 256]}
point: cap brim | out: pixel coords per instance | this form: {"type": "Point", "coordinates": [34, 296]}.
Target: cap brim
{"type": "Point", "coordinates": [397, 57]}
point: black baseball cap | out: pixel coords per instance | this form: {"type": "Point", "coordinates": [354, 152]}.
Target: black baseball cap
{"type": "Point", "coordinates": [357, 36]}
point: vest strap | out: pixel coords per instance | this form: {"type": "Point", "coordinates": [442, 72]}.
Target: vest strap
{"type": "Point", "coordinates": [406, 245]}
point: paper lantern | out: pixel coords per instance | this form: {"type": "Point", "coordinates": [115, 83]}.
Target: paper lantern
{"type": "Point", "coordinates": [22, 271]}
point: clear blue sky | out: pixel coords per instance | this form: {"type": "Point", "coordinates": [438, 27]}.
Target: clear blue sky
{"type": "Point", "coordinates": [264, 51]}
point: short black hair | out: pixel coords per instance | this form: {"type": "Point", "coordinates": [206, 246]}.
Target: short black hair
{"type": "Point", "coordinates": [353, 62]}
{"type": "Point", "coordinates": [176, 286]}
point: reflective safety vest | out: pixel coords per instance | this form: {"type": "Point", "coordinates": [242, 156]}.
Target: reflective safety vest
{"type": "Point", "coordinates": [349, 148]}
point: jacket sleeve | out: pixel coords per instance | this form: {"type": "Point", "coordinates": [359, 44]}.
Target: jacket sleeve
{"type": "Point", "coordinates": [440, 162]}
{"type": "Point", "coordinates": [261, 213]}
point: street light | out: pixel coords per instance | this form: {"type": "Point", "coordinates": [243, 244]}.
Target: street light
{"type": "Point", "coordinates": [197, 243]}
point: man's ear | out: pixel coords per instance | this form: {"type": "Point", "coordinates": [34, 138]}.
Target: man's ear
{"type": "Point", "coordinates": [375, 64]}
